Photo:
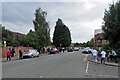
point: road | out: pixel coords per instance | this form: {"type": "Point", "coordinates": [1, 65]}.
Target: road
{"type": "Point", "coordinates": [63, 65]}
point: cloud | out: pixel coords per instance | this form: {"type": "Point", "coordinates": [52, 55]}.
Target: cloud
{"type": "Point", "coordinates": [16, 28]}
{"type": "Point", "coordinates": [82, 17]}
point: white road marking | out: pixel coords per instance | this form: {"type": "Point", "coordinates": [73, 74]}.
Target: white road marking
{"type": "Point", "coordinates": [41, 76]}
{"type": "Point", "coordinates": [87, 67]}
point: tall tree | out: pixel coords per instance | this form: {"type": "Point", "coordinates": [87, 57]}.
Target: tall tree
{"type": "Point", "coordinates": [7, 36]}
{"type": "Point", "coordinates": [41, 27]}
{"type": "Point", "coordinates": [61, 36]}
{"type": "Point", "coordinates": [111, 25]}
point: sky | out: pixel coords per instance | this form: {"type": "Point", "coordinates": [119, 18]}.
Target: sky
{"type": "Point", "coordinates": [81, 17]}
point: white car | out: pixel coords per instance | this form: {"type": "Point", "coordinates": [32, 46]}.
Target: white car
{"type": "Point", "coordinates": [76, 49]}
{"type": "Point", "coordinates": [87, 50]}
{"type": "Point", "coordinates": [30, 53]}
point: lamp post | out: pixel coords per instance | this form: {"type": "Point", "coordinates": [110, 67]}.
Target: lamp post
{"type": "Point", "coordinates": [4, 48]}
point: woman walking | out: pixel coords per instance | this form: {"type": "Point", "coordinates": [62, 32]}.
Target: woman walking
{"type": "Point", "coordinates": [8, 55]}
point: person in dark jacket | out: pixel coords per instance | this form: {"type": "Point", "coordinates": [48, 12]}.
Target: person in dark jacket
{"type": "Point", "coordinates": [20, 54]}
{"type": "Point", "coordinates": [12, 52]}
{"type": "Point", "coordinates": [8, 55]}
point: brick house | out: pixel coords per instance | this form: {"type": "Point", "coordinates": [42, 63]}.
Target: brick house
{"type": "Point", "coordinates": [16, 34]}
{"type": "Point", "coordinates": [98, 39]}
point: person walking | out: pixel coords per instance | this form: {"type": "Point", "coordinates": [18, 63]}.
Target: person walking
{"type": "Point", "coordinates": [109, 57]}
{"type": "Point", "coordinates": [63, 49]}
{"type": "Point", "coordinates": [48, 50]}
{"type": "Point", "coordinates": [10, 49]}
{"type": "Point", "coordinates": [94, 54]}
{"type": "Point", "coordinates": [114, 55]}
{"type": "Point", "coordinates": [103, 56]}
{"type": "Point", "coordinates": [12, 52]}
{"type": "Point", "coordinates": [8, 55]}
{"type": "Point", "coordinates": [20, 54]}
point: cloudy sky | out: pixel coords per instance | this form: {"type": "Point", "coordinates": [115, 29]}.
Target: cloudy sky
{"type": "Point", "coordinates": [82, 17]}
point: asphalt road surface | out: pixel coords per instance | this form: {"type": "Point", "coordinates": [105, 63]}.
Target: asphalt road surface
{"type": "Point", "coordinates": [63, 65]}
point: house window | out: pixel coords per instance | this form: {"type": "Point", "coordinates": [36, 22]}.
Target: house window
{"type": "Point", "coordinates": [105, 41]}
{"type": "Point", "coordinates": [99, 41]}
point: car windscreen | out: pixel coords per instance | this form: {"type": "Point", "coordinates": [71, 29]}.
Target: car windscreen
{"type": "Point", "coordinates": [26, 51]}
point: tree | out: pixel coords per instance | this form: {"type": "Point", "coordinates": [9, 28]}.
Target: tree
{"type": "Point", "coordinates": [41, 27]}
{"type": "Point", "coordinates": [31, 40]}
{"type": "Point", "coordinates": [111, 25]}
{"type": "Point", "coordinates": [7, 36]}
{"type": "Point", "coordinates": [61, 36]}
{"type": "Point", "coordinates": [91, 43]}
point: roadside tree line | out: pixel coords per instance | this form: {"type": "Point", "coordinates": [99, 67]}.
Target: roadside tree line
{"type": "Point", "coordinates": [40, 37]}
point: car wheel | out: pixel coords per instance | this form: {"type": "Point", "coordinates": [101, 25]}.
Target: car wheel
{"type": "Point", "coordinates": [32, 56]}
{"type": "Point", "coordinates": [38, 55]}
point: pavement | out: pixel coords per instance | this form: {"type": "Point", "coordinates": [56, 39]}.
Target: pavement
{"type": "Point", "coordinates": [89, 58]}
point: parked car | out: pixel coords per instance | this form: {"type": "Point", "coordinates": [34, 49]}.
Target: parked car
{"type": "Point", "coordinates": [85, 50]}
{"type": "Point", "coordinates": [70, 49]}
{"type": "Point", "coordinates": [54, 51]}
{"type": "Point", "coordinates": [30, 53]}
{"type": "Point", "coordinates": [76, 48]}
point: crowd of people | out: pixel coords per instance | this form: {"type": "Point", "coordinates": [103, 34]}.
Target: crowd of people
{"type": "Point", "coordinates": [11, 53]}
{"type": "Point", "coordinates": [103, 56]}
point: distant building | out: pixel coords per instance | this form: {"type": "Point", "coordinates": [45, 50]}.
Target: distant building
{"type": "Point", "coordinates": [16, 34]}
{"type": "Point", "coordinates": [98, 38]}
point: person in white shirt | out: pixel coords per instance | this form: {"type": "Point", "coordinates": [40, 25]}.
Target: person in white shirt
{"type": "Point", "coordinates": [103, 56]}
{"type": "Point", "coordinates": [94, 54]}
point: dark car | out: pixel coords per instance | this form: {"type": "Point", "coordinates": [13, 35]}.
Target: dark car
{"type": "Point", "coordinates": [70, 50]}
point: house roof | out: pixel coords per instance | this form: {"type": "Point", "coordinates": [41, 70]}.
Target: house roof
{"type": "Point", "coordinates": [98, 31]}
{"type": "Point", "coordinates": [16, 34]}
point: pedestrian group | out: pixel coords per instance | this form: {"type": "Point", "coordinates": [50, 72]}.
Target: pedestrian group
{"type": "Point", "coordinates": [103, 56]}
{"type": "Point", "coordinates": [11, 53]}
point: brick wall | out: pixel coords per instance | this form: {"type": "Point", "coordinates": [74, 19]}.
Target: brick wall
{"type": "Point", "coordinates": [3, 50]}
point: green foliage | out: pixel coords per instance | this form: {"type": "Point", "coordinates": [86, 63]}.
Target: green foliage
{"type": "Point", "coordinates": [31, 40]}
{"type": "Point", "coordinates": [7, 36]}
{"type": "Point", "coordinates": [62, 35]}
{"type": "Point", "coordinates": [85, 44]}
{"type": "Point", "coordinates": [91, 43]}
{"type": "Point", "coordinates": [41, 27]}
{"type": "Point", "coordinates": [37, 39]}
{"type": "Point", "coordinates": [111, 25]}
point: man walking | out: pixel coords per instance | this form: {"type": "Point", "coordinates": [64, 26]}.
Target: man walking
{"type": "Point", "coordinates": [94, 54]}
{"type": "Point", "coordinates": [63, 49]}
{"type": "Point", "coordinates": [12, 52]}
{"type": "Point", "coordinates": [114, 55]}
{"type": "Point", "coordinates": [103, 56]}
{"type": "Point", "coordinates": [20, 54]}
